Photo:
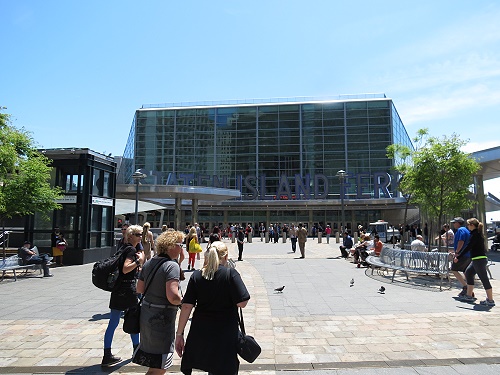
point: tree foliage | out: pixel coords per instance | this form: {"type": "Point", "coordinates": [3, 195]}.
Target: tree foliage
{"type": "Point", "coordinates": [24, 174]}
{"type": "Point", "coordinates": [436, 176]}
{"type": "Point", "coordinates": [440, 177]}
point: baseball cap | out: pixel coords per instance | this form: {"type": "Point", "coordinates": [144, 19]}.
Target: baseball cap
{"type": "Point", "coordinates": [458, 220]}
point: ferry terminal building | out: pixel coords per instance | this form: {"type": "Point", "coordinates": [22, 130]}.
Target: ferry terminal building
{"type": "Point", "coordinates": [283, 156]}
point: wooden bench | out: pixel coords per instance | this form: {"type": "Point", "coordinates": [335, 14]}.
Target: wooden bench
{"type": "Point", "coordinates": [408, 261]}
{"type": "Point", "coordinates": [13, 263]}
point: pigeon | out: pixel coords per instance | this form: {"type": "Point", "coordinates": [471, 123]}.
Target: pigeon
{"type": "Point", "coordinates": [352, 282]}
{"type": "Point", "coordinates": [280, 289]}
{"type": "Point", "coordinates": [381, 290]}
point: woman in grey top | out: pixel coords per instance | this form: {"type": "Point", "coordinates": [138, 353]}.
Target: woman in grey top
{"type": "Point", "coordinates": [160, 304]}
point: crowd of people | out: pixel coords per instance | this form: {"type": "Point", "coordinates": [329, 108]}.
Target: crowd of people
{"type": "Point", "coordinates": [215, 289]}
{"type": "Point", "coordinates": [214, 293]}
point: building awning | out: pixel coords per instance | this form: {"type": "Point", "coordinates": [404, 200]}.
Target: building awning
{"type": "Point", "coordinates": [201, 193]}
{"type": "Point", "coordinates": [127, 206]}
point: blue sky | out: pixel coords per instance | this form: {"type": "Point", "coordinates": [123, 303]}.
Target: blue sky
{"type": "Point", "coordinates": [73, 72]}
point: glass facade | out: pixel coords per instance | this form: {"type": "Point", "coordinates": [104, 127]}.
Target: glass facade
{"type": "Point", "coordinates": [270, 151]}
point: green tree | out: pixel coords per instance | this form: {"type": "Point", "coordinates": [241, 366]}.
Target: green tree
{"type": "Point", "coordinates": [439, 178]}
{"type": "Point", "coordinates": [402, 156]}
{"type": "Point", "coordinates": [24, 175]}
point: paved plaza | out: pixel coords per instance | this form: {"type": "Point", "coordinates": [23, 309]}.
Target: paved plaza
{"type": "Point", "coordinates": [320, 324]}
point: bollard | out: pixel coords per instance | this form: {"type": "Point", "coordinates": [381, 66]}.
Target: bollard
{"type": "Point", "coordinates": [283, 236]}
{"type": "Point", "coordinates": [337, 237]}
{"type": "Point", "coordinates": [250, 237]}
{"type": "Point", "coordinates": [320, 237]}
{"type": "Point", "coordinates": [267, 237]}
{"type": "Point", "coordinates": [233, 237]}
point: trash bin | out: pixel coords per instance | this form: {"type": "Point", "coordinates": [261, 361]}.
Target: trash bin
{"type": "Point", "coordinates": [320, 235]}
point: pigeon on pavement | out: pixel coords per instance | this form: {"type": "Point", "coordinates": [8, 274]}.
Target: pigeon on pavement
{"type": "Point", "coordinates": [280, 289]}
{"type": "Point", "coordinates": [352, 282]}
{"type": "Point", "coordinates": [382, 290]}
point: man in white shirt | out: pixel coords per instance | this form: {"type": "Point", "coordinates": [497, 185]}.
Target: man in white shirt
{"type": "Point", "coordinates": [418, 244]}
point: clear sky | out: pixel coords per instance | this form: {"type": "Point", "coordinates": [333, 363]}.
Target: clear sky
{"type": "Point", "coordinates": [73, 72]}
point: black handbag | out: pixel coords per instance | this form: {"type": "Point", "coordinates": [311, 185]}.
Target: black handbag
{"type": "Point", "coordinates": [132, 316]}
{"type": "Point", "coordinates": [248, 348]}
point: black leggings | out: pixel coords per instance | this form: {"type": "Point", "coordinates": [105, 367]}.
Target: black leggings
{"type": "Point", "coordinates": [478, 267]}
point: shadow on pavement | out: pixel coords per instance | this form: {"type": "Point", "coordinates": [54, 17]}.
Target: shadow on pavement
{"type": "Point", "coordinates": [97, 317]}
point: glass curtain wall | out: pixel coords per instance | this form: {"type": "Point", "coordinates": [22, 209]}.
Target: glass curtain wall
{"type": "Point", "coordinates": [221, 146]}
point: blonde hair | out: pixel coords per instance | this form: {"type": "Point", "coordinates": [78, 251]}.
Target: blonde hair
{"type": "Point", "coordinates": [192, 234]}
{"type": "Point", "coordinates": [213, 256]}
{"type": "Point", "coordinates": [167, 240]}
{"type": "Point", "coordinates": [145, 229]}
{"type": "Point", "coordinates": [476, 223]}
{"type": "Point", "coordinates": [131, 230]}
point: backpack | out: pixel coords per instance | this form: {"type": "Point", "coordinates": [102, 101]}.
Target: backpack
{"type": "Point", "coordinates": [106, 272]}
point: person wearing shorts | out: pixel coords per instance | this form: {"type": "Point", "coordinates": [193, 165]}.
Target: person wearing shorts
{"type": "Point", "coordinates": [461, 240]}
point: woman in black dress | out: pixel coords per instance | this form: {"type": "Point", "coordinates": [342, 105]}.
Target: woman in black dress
{"type": "Point", "coordinates": [217, 292]}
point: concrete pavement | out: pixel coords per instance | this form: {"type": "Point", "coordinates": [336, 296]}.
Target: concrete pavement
{"type": "Point", "coordinates": [319, 324]}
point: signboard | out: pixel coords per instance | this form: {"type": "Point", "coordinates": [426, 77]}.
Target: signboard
{"type": "Point", "coordinates": [102, 201]}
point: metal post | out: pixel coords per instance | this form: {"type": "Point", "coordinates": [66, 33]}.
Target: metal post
{"type": "Point", "coordinates": [341, 175]}
{"type": "Point", "coordinates": [137, 176]}
{"type": "Point", "coordinates": [136, 201]}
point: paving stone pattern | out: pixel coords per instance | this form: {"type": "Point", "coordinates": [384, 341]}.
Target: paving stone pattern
{"type": "Point", "coordinates": [318, 325]}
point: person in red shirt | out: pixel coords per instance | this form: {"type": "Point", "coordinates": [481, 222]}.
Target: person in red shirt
{"type": "Point", "coordinates": [377, 245]}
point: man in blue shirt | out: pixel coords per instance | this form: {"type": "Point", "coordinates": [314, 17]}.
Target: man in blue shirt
{"type": "Point", "coordinates": [347, 244]}
{"type": "Point", "coordinates": [461, 239]}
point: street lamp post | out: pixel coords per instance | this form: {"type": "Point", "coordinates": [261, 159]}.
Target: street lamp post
{"type": "Point", "coordinates": [341, 175]}
{"type": "Point", "coordinates": [137, 176]}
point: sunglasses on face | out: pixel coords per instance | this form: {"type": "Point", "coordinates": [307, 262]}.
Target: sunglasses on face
{"type": "Point", "coordinates": [138, 234]}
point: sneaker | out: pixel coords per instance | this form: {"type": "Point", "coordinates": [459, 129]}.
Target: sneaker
{"type": "Point", "coordinates": [108, 361]}
{"type": "Point", "coordinates": [467, 298]}
{"type": "Point", "coordinates": [488, 302]}
{"type": "Point", "coordinates": [463, 292]}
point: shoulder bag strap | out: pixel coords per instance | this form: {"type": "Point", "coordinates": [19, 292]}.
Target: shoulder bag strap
{"type": "Point", "coordinates": [151, 277]}
{"type": "Point", "coordinates": [240, 316]}
{"type": "Point", "coordinates": [241, 322]}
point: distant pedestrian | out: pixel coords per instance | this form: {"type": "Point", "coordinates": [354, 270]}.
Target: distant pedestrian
{"type": "Point", "coordinates": [147, 241]}
{"type": "Point", "coordinates": [240, 238]}
{"type": "Point", "coordinates": [328, 232]}
{"type": "Point", "coordinates": [293, 236]}
{"type": "Point", "coordinates": [262, 231]}
{"type": "Point", "coordinates": [302, 238]}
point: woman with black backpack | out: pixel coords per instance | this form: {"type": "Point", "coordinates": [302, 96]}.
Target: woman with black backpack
{"type": "Point", "coordinates": [125, 295]}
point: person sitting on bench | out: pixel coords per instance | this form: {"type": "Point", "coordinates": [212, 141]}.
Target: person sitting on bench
{"type": "Point", "coordinates": [346, 245]}
{"type": "Point", "coordinates": [31, 257]}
